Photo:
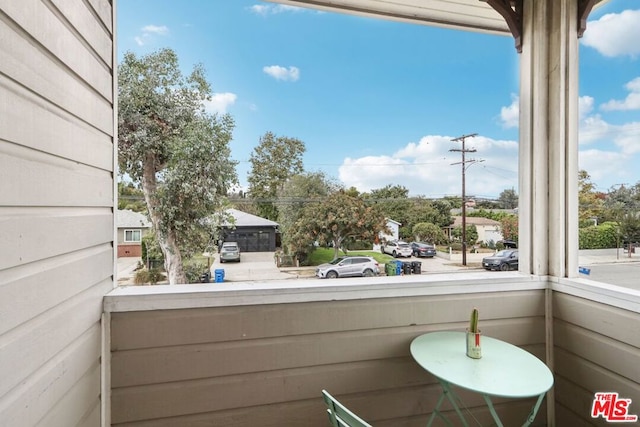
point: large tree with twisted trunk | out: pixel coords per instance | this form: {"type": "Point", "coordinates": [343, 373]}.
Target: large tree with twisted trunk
{"type": "Point", "coordinates": [175, 150]}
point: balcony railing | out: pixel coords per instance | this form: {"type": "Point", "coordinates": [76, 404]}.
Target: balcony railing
{"type": "Point", "coordinates": [258, 354]}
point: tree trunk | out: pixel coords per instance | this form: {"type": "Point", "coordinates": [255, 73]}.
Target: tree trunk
{"type": "Point", "coordinates": [168, 243]}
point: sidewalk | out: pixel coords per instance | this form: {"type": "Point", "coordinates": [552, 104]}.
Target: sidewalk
{"type": "Point", "coordinates": [606, 256]}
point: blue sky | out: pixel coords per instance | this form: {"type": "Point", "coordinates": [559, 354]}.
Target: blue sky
{"type": "Point", "coordinates": [377, 102]}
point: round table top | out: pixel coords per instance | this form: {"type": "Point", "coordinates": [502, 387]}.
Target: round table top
{"type": "Point", "coordinates": [504, 369]}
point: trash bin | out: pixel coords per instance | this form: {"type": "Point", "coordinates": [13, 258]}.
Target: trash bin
{"type": "Point", "coordinates": [205, 277]}
{"type": "Point", "coordinates": [416, 267]}
{"type": "Point", "coordinates": [406, 268]}
{"type": "Point", "coordinates": [219, 275]}
{"type": "Point", "coordinates": [398, 267]}
{"type": "Point", "coordinates": [390, 268]}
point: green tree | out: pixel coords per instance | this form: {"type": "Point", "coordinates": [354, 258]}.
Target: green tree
{"type": "Point", "coordinates": [508, 199]}
{"type": "Point", "coordinates": [394, 203]}
{"type": "Point", "coordinates": [509, 227]}
{"type": "Point", "coordinates": [273, 162]}
{"type": "Point", "coordinates": [338, 217]}
{"type": "Point", "coordinates": [471, 234]}
{"type": "Point", "coordinates": [177, 152]}
{"type": "Point", "coordinates": [131, 197]}
{"type": "Point", "coordinates": [296, 193]}
{"type": "Point", "coordinates": [589, 203]}
{"type": "Point", "coordinates": [622, 206]}
{"type": "Point", "coordinates": [429, 232]}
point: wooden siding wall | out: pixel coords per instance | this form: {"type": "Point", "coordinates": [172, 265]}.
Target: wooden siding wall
{"type": "Point", "coordinates": [596, 349]}
{"type": "Point", "coordinates": [265, 365]}
{"type": "Point", "coordinates": [56, 208]}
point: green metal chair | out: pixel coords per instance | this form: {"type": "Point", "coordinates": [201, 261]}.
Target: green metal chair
{"type": "Point", "coordinates": [339, 415]}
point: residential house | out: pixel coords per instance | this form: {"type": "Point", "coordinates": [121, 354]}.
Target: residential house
{"type": "Point", "coordinates": [253, 233]}
{"type": "Point", "coordinates": [488, 229]}
{"type": "Point", "coordinates": [393, 228]}
{"type": "Point", "coordinates": [131, 228]}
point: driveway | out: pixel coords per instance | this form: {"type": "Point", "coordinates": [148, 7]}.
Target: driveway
{"type": "Point", "coordinates": [253, 266]}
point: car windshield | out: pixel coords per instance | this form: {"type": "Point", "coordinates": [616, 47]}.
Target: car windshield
{"type": "Point", "coordinates": [403, 245]}
{"type": "Point", "coordinates": [503, 253]}
{"type": "Point", "coordinates": [337, 260]}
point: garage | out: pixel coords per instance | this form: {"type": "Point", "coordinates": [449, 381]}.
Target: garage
{"type": "Point", "coordinates": [253, 233]}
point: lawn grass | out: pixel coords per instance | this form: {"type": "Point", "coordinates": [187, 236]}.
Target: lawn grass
{"type": "Point", "coordinates": [322, 255]}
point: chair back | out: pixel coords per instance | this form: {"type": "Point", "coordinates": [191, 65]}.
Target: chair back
{"type": "Point", "coordinates": [339, 415]}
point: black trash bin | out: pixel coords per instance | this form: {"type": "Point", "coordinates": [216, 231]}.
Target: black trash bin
{"type": "Point", "coordinates": [406, 268]}
{"type": "Point", "coordinates": [416, 267]}
{"type": "Point", "coordinates": [205, 277]}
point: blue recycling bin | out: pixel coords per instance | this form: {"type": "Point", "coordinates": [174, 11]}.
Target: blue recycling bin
{"type": "Point", "coordinates": [398, 267]}
{"type": "Point", "coordinates": [219, 275]}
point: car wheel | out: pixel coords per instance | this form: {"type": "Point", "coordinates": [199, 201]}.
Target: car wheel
{"type": "Point", "coordinates": [381, 249]}
{"type": "Point", "coordinates": [504, 267]}
{"type": "Point", "coordinates": [368, 273]}
{"type": "Point", "coordinates": [332, 275]}
{"type": "Point", "coordinates": [395, 255]}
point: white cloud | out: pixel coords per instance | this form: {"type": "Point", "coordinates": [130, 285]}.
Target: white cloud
{"type": "Point", "coordinates": [148, 31]}
{"type": "Point", "coordinates": [585, 106]}
{"type": "Point", "coordinates": [510, 115]}
{"type": "Point", "coordinates": [607, 167]}
{"type": "Point", "coordinates": [426, 168]}
{"type": "Point", "coordinates": [220, 102]}
{"type": "Point", "coordinates": [160, 30]}
{"type": "Point", "coordinates": [264, 10]}
{"type": "Point", "coordinates": [282, 73]}
{"type": "Point", "coordinates": [631, 102]}
{"type": "Point", "coordinates": [615, 34]}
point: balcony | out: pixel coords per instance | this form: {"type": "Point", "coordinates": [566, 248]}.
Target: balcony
{"type": "Point", "coordinates": [258, 354]}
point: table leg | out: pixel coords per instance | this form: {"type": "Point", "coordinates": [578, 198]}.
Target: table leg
{"type": "Point", "coordinates": [451, 396]}
{"type": "Point", "coordinates": [534, 411]}
{"type": "Point", "coordinates": [494, 414]}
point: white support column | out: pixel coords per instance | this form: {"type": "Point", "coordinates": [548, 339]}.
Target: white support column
{"type": "Point", "coordinates": [549, 139]}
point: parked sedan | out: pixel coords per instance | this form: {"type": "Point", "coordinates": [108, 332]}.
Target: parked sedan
{"type": "Point", "coordinates": [347, 266]}
{"type": "Point", "coordinates": [504, 260]}
{"type": "Point", "coordinates": [230, 251]}
{"type": "Point", "coordinates": [423, 250]}
{"type": "Point", "coordinates": [397, 248]}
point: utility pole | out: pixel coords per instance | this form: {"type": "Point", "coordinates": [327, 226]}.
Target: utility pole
{"type": "Point", "coordinates": [464, 162]}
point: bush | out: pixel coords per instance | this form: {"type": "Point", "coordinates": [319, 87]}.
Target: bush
{"type": "Point", "coordinates": [194, 269]}
{"type": "Point", "coordinates": [358, 245]}
{"type": "Point", "coordinates": [602, 236]}
{"type": "Point", "coordinates": [145, 276]}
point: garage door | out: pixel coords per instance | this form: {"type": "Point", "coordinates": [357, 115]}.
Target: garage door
{"type": "Point", "coordinates": [251, 241]}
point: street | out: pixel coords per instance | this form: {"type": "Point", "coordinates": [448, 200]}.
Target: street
{"type": "Point", "coordinates": [621, 274]}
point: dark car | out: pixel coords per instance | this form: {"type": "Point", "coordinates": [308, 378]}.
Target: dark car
{"type": "Point", "coordinates": [508, 244]}
{"type": "Point", "coordinates": [504, 260]}
{"type": "Point", "coordinates": [423, 250]}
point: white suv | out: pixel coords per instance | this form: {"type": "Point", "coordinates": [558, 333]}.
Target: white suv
{"type": "Point", "coordinates": [345, 266]}
{"type": "Point", "coordinates": [397, 248]}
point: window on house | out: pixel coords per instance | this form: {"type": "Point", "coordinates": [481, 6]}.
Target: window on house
{"type": "Point", "coordinates": [132, 236]}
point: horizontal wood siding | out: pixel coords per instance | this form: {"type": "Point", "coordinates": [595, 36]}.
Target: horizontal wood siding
{"type": "Point", "coordinates": [596, 349]}
{"type": "Point", "coordinates": [56, 208]}
{"type": "Point", "coordinates": [266, 364]}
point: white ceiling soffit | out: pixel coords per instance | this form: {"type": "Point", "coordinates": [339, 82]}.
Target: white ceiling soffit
{"type": "Point", "coordinates": [472, 15]}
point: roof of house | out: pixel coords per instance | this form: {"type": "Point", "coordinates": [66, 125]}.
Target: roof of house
{"type": "Point", "coordinates": [126, 218]}
{"type": "Point", "coordinates": [473, 220]}
{"type": "Point", "coordinates": [244, 219]}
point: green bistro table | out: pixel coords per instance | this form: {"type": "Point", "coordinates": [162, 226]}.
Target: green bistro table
{"type": "Point", "coordinates": [503, 371]}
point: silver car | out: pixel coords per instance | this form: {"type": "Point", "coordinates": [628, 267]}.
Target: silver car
{"type": "Point", "coordinates": [346, 266]}
{"type": "Point", "coordinates": [230, 251]}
